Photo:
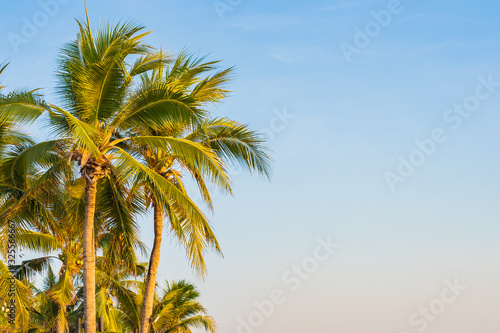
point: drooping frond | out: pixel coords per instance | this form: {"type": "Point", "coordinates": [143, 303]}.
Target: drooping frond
{"type": "Point", "coordinates": [22, 107]}
{"type": "Point", "coordinates": [23, 297]}
{"type": "Point", "coordinates": [68, 126]}
{"type": "Point", "coordinates": [129, 166]}
{"type": "Point", "coordinates": [28, 269]}
{"type": "Point", "coordinates": [63, 291]}
{"type": "Point", "coordinates": [235, 143]}
{"type": "Point", "coordinates": [211, 89]}
{"type": "Point", "coordinates": [37, 242]}
{"type": "Point", "coordinates": [192, 154]}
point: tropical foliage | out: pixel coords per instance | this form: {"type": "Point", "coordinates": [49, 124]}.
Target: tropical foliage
{"type": "Point", "coordinates": [132, 129]}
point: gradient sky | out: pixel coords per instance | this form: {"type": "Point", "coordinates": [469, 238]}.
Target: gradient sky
{"type": "Point", "coordinates": [349, 123]}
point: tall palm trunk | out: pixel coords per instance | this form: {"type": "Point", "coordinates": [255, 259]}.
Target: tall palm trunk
{"type": "Point", "coordinates": [154, 261]}
{"type": "Point", "coordinates": [89, 259]}
{"type": "Point", "coordinates": [60, 327]}
{"type": "Point", "coordinates": [60, 323]}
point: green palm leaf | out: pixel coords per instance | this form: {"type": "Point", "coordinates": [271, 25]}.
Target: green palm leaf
{"type": "Point", "coordinates": [129, 166]}
{"type": "Point", "coordinates": [192, 154]}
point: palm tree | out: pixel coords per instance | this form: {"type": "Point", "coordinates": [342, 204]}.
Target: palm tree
{"type": "Point", "coordinates": [17, 109]}
{"type": "Point", "coordinates": [228, 140]}
{"type": "Point", "coordinates": [98, 117]}
{"type": "Point", "coordinates": [100, 123]}
{"type": "Point", "coordinates": [50, 311]}
{"type": "Point", "coordinates": [50, 219]}
{"type": "Point", "coordinates": [175, 309]}
{"type": "Point", "coordinates": [116, 290]}
{"type": "Point", "coordinates": [178, 310]}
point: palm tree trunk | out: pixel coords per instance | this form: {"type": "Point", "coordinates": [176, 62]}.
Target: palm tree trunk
{"type": "Point", "coordinates": [60, 327]}
{"type": "Point", "coordinates": [154, 261]}
{"type": "Point", "coordinates": [89, 259]}
{"type": "Point", "coordinates": [60, 324]}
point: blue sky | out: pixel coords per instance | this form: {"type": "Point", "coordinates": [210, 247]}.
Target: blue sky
{"type": "Point", "coordinates": [338, 127]}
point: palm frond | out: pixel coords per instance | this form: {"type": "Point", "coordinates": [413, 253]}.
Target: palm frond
{"type": "Point", "coordinates": [84, 134]}
{"type": "Point", "coordinates": [23, 296]}
{"type": "Point", "coordinates": [159, 106]}
{"type": "Point", "coordinates": [37, 241]}
{"type": "Point", "coordinates": [129, 166]}
{"type": "Point", "coordinates": [23, 107]}
{"type": "Point", "coordinates": [235, 143]}
{"type": "Point", "coordinates": [149, 62]}
{"type": "Point", "coordinates": [192, 154]}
